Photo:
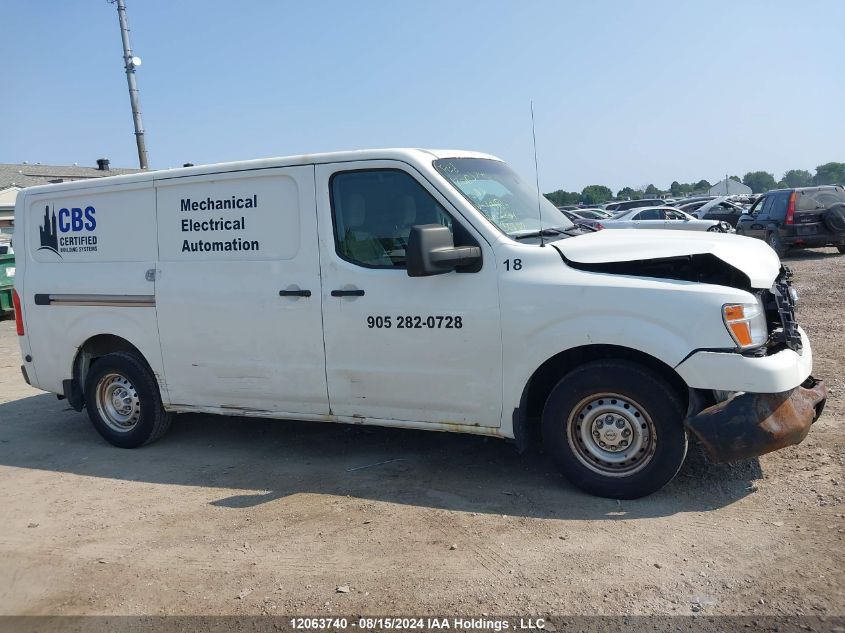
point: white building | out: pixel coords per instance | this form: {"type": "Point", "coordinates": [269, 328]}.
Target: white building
{"type": "Point", "coordinates": [729, 187]}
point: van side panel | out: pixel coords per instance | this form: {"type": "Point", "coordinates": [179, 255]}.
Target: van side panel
{"type": "Point", "coordinates": [235, 251]}
{"type": "Point", "coordinates": [86, 251]}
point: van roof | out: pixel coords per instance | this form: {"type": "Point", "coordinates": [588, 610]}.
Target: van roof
{"type": "Point", "coordinates": [400, 154]}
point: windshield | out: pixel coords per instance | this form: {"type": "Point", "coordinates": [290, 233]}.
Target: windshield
{"type": "Point", "coordinates": [500, 195]}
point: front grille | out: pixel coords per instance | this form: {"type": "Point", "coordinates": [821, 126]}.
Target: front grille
{"type": "Point", "coordinates": [780, 313]}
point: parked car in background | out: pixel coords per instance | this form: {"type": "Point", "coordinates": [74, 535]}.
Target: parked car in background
{"type": "Point", "coordinates": [578, 219]}
{"type": "Point", "coordinates": [664, 218]}
{"type": "Point", "coordinates": [633, 204]}
{"type": "Point", "coordinates": [807, 217]}
{"type": "Point", "coordinates": [691, 207]}
{"type": "Point", "coordinates": [593, 214]}
{"type": "Point", "coordinates": [692, 199]}
{"type": "Point", "coordinates": [719, 208]}
{"type": "Point", "coordinates": [7, 275]}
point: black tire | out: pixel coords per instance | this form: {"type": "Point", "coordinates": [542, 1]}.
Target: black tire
{"type": "Point", "coordinates": [773, 240]}
{"type": "Point", "coordinates": [125, 373]}
{"type": "Point", "coordinates": [715, 229]}
{"type": "Point", "coordinates": [639, 395]}
{"type": "Point", "coordinates": [841, 249]}
{"type": "Point", "coordinates": [834, 218]}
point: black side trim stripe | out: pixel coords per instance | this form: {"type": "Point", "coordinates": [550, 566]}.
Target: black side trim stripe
{"type": "Point", "coordinates": [124, 301]}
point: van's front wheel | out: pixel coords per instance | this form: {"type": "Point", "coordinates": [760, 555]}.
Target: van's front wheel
{"type": "Point", "coordinates": [123, 401]}
{"type": "Point", "coordinates": [615, 429]}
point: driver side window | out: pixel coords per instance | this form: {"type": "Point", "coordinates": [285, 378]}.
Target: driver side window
{"type": "Point", "coordinates": [373, 212]}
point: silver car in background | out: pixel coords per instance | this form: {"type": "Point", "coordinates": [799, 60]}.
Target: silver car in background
{"type": "Point", "coordinates": [664, 218]}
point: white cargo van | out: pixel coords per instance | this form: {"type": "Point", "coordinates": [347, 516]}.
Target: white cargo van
{"type": "Point", "coordinates": [407, 288]}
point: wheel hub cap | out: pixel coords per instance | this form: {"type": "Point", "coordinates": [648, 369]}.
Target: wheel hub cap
{"type": "Point", "coordinates": [117, 402]}
{"type": "Point", "coordinates": [611, 434]}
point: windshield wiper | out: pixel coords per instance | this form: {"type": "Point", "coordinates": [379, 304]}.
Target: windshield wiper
{"type": "Point", "coordinates": [545, 232]}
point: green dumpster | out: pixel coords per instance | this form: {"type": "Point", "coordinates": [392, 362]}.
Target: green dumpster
{"type": "Point", "coordinates": [7, 281]}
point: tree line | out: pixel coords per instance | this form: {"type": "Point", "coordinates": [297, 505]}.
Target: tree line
{"type": "Point", "coordinates": [759, 181]}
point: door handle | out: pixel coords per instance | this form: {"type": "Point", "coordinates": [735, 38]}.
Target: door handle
{"type": "Point", "coordinates": [348, 293]}
{"type": "Point", "coordinates": [294, 293]}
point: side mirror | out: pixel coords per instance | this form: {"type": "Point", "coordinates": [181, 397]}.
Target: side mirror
{"type": "Point", "coordinates": [431, 251]}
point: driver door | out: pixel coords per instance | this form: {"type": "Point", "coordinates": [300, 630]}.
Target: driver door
{"type": "Point", "coordinates": [755, 226]}
{"type": "Point", "coordinates": [398, 348]}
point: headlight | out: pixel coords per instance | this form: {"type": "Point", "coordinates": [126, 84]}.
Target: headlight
{"type": "Point", "coordinates": [746, 323]}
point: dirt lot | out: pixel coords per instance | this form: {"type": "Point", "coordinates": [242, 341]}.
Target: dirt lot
{"type": "Point", "coordinates": [237, 516]}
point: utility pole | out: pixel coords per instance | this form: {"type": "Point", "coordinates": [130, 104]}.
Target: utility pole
{"type": "Point", "coordinates": [130, 63]}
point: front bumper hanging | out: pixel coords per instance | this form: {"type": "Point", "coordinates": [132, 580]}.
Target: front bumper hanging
{"type": "Point", "coordinates": [752, 424]}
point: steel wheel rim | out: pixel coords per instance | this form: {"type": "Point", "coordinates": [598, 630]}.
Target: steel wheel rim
{"type": "Point", "coordinates": [611, 434]}
{"type": "Point", "coordinates": [117, 402]}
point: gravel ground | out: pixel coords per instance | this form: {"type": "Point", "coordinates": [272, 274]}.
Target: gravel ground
{"type": "Point", "coordinates": [237, 516]}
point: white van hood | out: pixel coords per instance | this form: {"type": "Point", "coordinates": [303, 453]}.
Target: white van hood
{"type": "Point", "coordinates": [753, 257]}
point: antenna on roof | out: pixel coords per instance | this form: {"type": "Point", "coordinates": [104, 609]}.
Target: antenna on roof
{"type": "Point", "coordinates": [537, 176]}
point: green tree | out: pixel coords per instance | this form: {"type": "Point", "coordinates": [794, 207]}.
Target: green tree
{"type": "Point", "coordinates": [830, 174]}
{"type": "Point", "coordinates": [796, 178]}
{"type": "Point", "coordinates": [625, 192]}
{"type": "Point", "coordinates": [737, 178]}
{"type": "Point", "coordinates": [594, 194]}
{"type": "Point", "coordinates": [560, 197]}
{"type": "Point", "coordinates": [701, 185]}
{"type": "Point", "coordinates": [759, 181]}
{"type": "Point", "coordinates": [651, 190]}
{"type": "Point", "coordinates": [675, 188]}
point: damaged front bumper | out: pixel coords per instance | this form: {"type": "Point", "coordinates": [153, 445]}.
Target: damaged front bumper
{"type": "Point", "coordinates": [752, 424]}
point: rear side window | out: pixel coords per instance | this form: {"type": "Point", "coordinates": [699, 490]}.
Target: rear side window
{"type": "Point", "coordinates": [777, 208]}
{"type": "Point", "coordinates": [815, 199]}
{"type": "Point", "coordinates": [373, 212]}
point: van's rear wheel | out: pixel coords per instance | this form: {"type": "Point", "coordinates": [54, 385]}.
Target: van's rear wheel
{"type": "Point", "coordinates": [615, 429]}
{"type": "Point", "coordinates": [123, 401]}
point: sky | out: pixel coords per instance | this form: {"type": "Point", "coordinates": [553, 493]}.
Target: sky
{"type": "Point", "coordinates": [625, 93]}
